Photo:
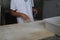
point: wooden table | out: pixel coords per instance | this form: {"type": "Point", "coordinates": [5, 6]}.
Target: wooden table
{"type": "Point", "coordinates": [24, 31]}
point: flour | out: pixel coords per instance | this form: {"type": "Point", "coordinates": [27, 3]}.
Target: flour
{"type": "Point", "coordinates": [37, 35]}
{"type": "Point", "coordinates": [57, 22]}
{"type": "Point", "coordinates": [25, 32]}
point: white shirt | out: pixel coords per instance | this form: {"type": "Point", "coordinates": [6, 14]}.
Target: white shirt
{"type": "Point", "coordinates": [22, 6]}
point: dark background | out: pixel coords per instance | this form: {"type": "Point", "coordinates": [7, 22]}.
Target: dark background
{"type": "Point", "coordinates": [46, 9]}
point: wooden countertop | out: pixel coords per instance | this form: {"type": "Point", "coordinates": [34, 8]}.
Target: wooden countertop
{"type": "Point", "coordinates": [26, 31]}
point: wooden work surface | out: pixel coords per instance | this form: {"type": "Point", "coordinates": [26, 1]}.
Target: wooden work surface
{"type": "Point", "coordinates": [28, 31]}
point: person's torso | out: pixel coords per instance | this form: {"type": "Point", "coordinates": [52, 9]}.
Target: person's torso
{"type": "Point", "coordinates": [24, 6]}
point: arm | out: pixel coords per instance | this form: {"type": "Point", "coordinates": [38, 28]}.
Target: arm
{"type": "Point", "coordinates": [14, 13]}
{"type": "Point", "coordinates": [22, 15]}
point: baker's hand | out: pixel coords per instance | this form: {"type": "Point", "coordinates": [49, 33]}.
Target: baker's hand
{"type": "Point", "coordinates": [27, 21]}
{"type": "Point", "coordinates": [25, 17]}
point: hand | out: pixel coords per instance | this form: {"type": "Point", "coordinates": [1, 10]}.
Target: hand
{"type": "Point", "coordinates": [25, 17]}
{"type": "Point", "coordinates": [27, 21]}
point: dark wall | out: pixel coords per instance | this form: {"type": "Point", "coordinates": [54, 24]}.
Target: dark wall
{"type": "Point", "coordinates": [9, 19]}
{"type": "Point", "coordinates": [0, 12]}
{"type": "Point", "coordinates": [51, 8]}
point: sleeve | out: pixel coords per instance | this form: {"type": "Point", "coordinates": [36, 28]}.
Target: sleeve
{"type": "Point", "coordinates": [32, 2]}
{"type": "Point", "coordinates": [12, 5]}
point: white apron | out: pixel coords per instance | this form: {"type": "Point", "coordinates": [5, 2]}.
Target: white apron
{"type": "Point", "coordinates": [23, 6]}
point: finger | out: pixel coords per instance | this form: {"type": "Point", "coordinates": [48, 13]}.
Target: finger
{"type": "Point", "coordinates": [27, 21]}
